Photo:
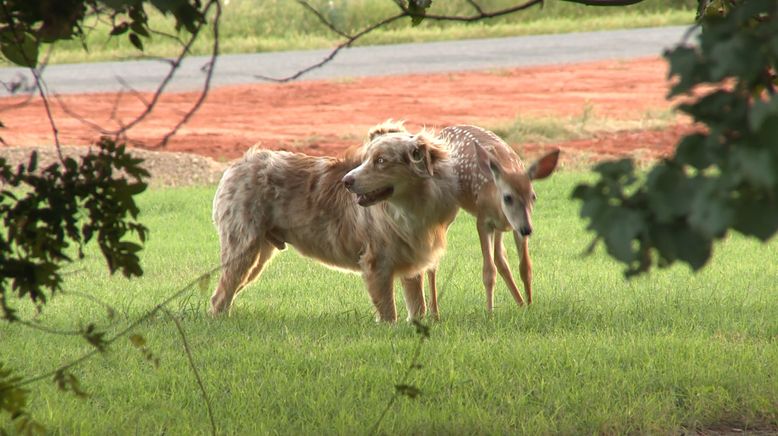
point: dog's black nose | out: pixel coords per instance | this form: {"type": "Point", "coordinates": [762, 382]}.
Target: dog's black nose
{"type": "Point", "coordinates": [348, 180]}
{"type": "Point", "coordinates": [525, 231]}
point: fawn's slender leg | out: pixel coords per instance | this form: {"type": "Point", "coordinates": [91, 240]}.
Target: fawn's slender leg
{"type": "Point", "coordinates": [485, 235]}
{"type": "Point", "coordinates": [502, 267]}
{"type": "Point", "coordinates": [525, 266]}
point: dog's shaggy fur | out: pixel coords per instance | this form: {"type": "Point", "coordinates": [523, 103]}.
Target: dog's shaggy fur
{"type": "Point", "coordinates": [392, 223]}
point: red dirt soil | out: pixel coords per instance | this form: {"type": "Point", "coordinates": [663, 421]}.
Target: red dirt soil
{"type": "Point", "coordinates": [326, 117]}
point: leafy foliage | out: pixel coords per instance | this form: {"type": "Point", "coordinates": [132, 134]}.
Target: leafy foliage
{"type": "Point", "coordinates": [13, 400]}
{"type": "Point", "coordinates": [724, 176]}
{"type": "Point", "coordinates": [72, 202]}
{"type": "Point", "coordinates": [44, 212]}
{"type": "Point", "coordinates": [26, 24]}
{"type": "Point", "coordinates": [418, 8]}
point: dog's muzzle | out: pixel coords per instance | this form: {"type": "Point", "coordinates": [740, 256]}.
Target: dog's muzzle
{"type": "Point", "coordinates": [365, 199]}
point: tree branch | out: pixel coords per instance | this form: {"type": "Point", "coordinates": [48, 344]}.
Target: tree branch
{"type": "Point", "coordinates": [175, 64]}
{"type": "Point", "coordinates": [210, 66]}
{"type": "Point", "coordinates": [334, 52]}
{"type": "Point", "coordinates": [605, 2]}
{"type": "Point", "coordinates": [479, 16]}
{"type": "Point", "coordinates": [192, 365]}
{"type": "Point", "coordinates": [39, 84]}
{"type": "Point", "coordinates": [321, 18]}
{"type": "Point", "coordinates": [115, 337]}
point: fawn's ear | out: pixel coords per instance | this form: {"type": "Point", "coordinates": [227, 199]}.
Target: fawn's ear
{"type": "Point", "coordinates": [423, 155]}
{"type": "Point", "coordinates": [388, 126]}
{"type": "Point", "coordinates": [486, 165]}
{"type": "Point", "coordinates": [544, 166]}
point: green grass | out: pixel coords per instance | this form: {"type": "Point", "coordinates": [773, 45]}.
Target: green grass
{"type": "Point", "coordinates": [252, 26]}
{"type": "Point", "coordinates": [301, 354]}
{"type": "Point", "coordinates": [544, 130]}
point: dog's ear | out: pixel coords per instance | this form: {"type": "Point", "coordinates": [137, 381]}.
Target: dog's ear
{"type": "Point", "coordinates": [388, 126]}
{"type": "Point", "coordinates": [424, 154]}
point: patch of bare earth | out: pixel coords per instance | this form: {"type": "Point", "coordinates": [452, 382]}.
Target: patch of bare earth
{"type": "Point", "coordinates": [327, 117]}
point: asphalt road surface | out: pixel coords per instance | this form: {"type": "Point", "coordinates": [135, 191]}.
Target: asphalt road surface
{"type": "Point", "coordinates": [360, 61]}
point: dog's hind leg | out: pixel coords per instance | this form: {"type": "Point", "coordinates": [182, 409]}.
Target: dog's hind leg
{"type": "Point", "coordinates": [237, 268]}
{"type": "Point", "coordinates": [266, 253]}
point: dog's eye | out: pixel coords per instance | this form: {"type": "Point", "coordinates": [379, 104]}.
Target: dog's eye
{"type": "Point", "coordinates": [508, 199]}
{"type": "Point", "coordinates": [380, 160]}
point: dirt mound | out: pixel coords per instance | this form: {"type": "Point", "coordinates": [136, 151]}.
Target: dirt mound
{"type": "Point", "coordinates": [166, 168]}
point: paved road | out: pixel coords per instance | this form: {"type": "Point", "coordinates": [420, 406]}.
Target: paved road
{"type": "Point", "coordinates": [364, 61]}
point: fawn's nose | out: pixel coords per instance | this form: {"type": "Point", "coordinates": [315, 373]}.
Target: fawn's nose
{"type": "Point", "coordinates": [348, 181]}
{"type": "Point", "coordinates": [525, 231]}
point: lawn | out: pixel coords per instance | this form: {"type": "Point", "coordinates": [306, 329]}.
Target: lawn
{"type": "Point", "coordinates": [301, 354]}
{"type": "Point", "coordinates": [250, 26]}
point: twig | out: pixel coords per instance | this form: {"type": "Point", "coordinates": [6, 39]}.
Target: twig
{"type": "Point", "coordinates": [73, 114]}
{"type": "Point", "coordinates": [689, 32]}
{"type": "Point", "coordinates": [605, 2]}
{"type": "Point", "coordinates": [334, 52]}
{"type": "Point", "coordinates": [175, 64]}
{"type": "Point", "coordinates": [477, 17]}
{"type": "Point", "coordinates": [115, 337]}
{"type": "Point", "coordinates": [476, 6]}
{"type": "Point", "coordinates": [39, 84]}
{"type": "Point", "coordinates": [404, 12]}
{"type": "Point", "coordinates": [403, 381]}
{"type": "Point", "coordinates": [321, 18]}
{"type": "Point", "coordinates": [46, 329]}
{"type": "Point", "coordinates": [210, 66]}
{"type": "Point", "coordinates": [133, 91]}
{"type": "Point", "coordinates": [192, 365]}
{"type": "Point", "coordinates": [424, 334]}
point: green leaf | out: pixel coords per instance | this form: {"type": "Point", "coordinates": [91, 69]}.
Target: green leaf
{"type": "Point", "coordinates": [204, 283]}
{"type": "Point", "coordinates": [21, 48]}
{"type": "Point", "coordinates": [755, 164]}
{"type": "Point", "coordinates": [421, 329]}
{"type": "Point", "coordinates": [757, 216]}
{"type": "Point", "coordinates": [663, 239]}
{"type": "Point", "coordinates": [668, 191]}
{"type": "Point", "coordinates": [68, 382]}
{"type": "Point", "coordinates": [135, 40]}
{"type": "Point", "coordinates": [684, 63]}
{"type": "Point", "coordinates": [734, 57]}
{"type": "Point", "coordinates": [408, 390]}
{"type": "Point", "coordinates": [692, 150]}
{"type": "Point", "coordinates": [761, 111]}
{"type": "Point", "coordinates": [418, 9]}
{"type": "Point", "coordinates": [33, 165]}
{"type": "Point", "coordinates": [621, 226]}
{"type": "Point", "coordinates": [139, 28]}
{"type": "Point", "coordinates": [120, 29]}
{"type": "Point", "coordinates": [691, 247]}
{"type": "Point", "coordinates": [615, 169]}
{"type": "Point", "coordinates": [711, 213]}
{"type": "Point", "coordinates": [137, 340]}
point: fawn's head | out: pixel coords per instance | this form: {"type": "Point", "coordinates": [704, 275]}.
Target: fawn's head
{"type": "Point", "coordinates": [514, 189]}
